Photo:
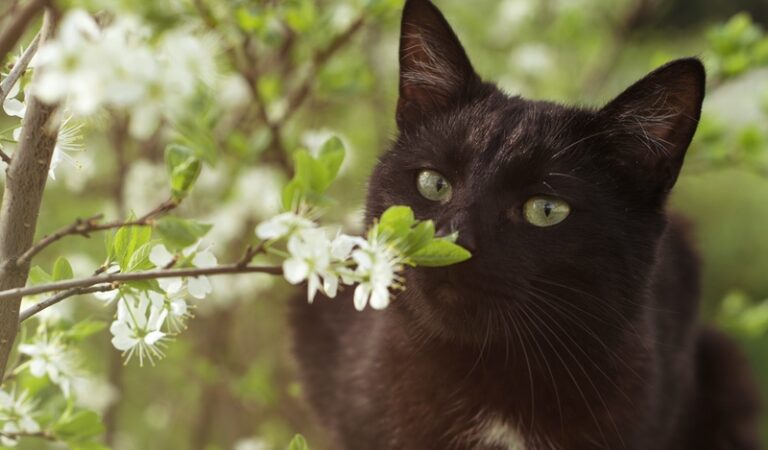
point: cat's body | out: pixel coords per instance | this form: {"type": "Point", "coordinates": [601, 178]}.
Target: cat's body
{"type": "Point", "coordinates": [574, 335]}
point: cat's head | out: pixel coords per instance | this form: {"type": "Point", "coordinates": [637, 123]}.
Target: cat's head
{"type": "Point", "coordinates": [555, 203]}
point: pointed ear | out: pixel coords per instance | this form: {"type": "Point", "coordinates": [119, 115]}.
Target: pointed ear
{"type": "Point", "coordinates": [435, 72]}
{"type": "Point", "coordinates": [655, 120]}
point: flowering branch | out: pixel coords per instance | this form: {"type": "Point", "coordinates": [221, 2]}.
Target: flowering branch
{"type": "Point", "coordinates": [84, 227]}
{"type": "Point", "coordinates": [19, 68]}
{"type": "Point", "coordinates": [20, 434]}
{"type": "Point", "coordinates": [229, 269]}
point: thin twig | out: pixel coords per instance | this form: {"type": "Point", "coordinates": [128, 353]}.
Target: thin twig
{"type": "Point", "coordinates": [321, 57]}
{"type": "Point", "coordinates": [47, 303]}
{"type": "Point", "coordinates": [4, 156]}
{"type": "Point", "coordinates": [136, 276]}
{"type": "Point", "coordinates": [11, 34]}
{"type": "Point", "coordinates": [84, 227]}
{"type": "Point", "coordinates": [19, 68]}
{"type": "Point", "coordinates": [20, 434]}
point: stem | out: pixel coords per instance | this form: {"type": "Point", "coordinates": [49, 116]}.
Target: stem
{"type": "Point", "coordinates": [84, 227]}
{"type": "Point", "coordinates": [47, 303]}
{"type": "Point", "coordinates": [24, 186]}
{"type": "Point", "coordinates": [10, 295]}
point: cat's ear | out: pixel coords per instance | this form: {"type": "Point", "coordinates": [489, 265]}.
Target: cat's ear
{"type": "Point", "coordinates": [435, 72]}
{"type": "Point", "coordinates": [655, 120]}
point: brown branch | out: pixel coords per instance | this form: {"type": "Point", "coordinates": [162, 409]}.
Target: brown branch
{"type": "Point", "coordinates": [19, 68]}
{"type": "Point", "coordinates": [85, 227]}
{"type": "Point", "coordinates": [47, 303]}
{"type": "Point", "coordinates": [229, 269]}
{"type": "Point", "coordinates": [24, 186]}
{"type": "Point", "coordinates": [4, 156]}
{"type": "Point", "coordinates": [300, 95]}
{"type": "Point", "coordinates": [20, 434]}
{"type": "Point", "coordinates": [11, 34]}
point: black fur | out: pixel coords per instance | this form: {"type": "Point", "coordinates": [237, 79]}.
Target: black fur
{"type": "Point", "coordinates": [582, 335]}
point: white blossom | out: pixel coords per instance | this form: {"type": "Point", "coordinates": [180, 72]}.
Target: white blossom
{"type": "Point", "coordinates": [160, 256]}
{"type": "Point", "coordinates": [69, 140]}
{"type": "Point", "coordinates": [310, 257]}
{"type": "Point", "coordinates": [138, 328]}
{"type": "Point", "coordinates": [13, 106]}
{"type": "Point", "coordinates": [283, 225]}
{"type": "Point", "coordinates": [49, 356]}
{"type": "Point", "coordinates": [377, 267]}
{"type": "Point", "coordinates": [200, 286]}
{"type": "Point", "coordinates": [16, 413]}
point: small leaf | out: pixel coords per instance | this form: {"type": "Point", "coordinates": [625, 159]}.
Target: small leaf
{"type": "Point", "coordinates": [396, 222]}
{"type": "Point", "coordinates": [180, 233]}
{"type": "Point", "coordinates": [439, 252]}
{"type": "Point", "coordinates": [38, 276]}
{"type": "Point", "coordinates": [140, 258]}
{"type": "Point", "coordinates": [62, 270]}
{"type": "Point", "coordinates": [292, 195]}
{"type": "Point", "coordinates": [331, 156]}
{"type": "Point", "coordinates": [183, 167]}
{"type": "Point", "coordinates": [84, 329]}
{"type": "Point", "coordinates": [419, 236]}
{"type": "Point", "coordinates": [298, 443]}
{"type": "Point", "coordinates": [79, 427]}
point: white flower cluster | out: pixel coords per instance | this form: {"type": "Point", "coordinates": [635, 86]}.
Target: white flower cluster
{"type": "Point", "coordinates": [16, 412]}
{"type": "Point", "coordinates": [146, 319]}
{"type": "Point", "coordinates": [49, 356]}
{"type": "Point", "coordinates": [323, 262]}
{"type": "Point", "coordinates": [121, 67]}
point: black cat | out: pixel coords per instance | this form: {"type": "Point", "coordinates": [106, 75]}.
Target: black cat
{"type": "Point", "coordinates": [573, 326]}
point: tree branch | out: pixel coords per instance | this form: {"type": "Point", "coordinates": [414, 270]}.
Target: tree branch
{"type": "Point", "coordinates": [85, 227]}
{"type": "Point", "coordinates": [228, 269]}
{"type": "Point", "coordinates": [47, 303]}
{"type": "Point", "coordinates": [11, 35]}
{"type": "Point", "coordinates": [24, 186]}
{"type": "Point", "coordinates": [19, 68]}
{"type": "Point", "coordinates": [321, 57]}
{"type": "Point", "coordinates": [4, 156]}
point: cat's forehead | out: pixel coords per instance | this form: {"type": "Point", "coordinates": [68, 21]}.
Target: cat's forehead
{"type": "Point", "coordinates": [500, 133]}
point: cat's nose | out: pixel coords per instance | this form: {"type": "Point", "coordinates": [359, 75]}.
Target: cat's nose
{"type": "Point", "coordinates": [459, 223]}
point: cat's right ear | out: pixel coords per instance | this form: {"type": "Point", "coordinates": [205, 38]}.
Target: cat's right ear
{"type": "Point", "coordinates": [435, 72]}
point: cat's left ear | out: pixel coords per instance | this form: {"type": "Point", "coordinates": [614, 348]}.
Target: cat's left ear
{"type": "Point", "coordinates": [655, 120]}
{"type": "Point", "coordinates": [435, 72]}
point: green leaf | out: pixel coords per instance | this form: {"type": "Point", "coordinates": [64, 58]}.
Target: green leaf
{"type": "Point", "coordinates": [439, 252]}
{"type": "Point", "coordinates": [79, 427]}
{"type": "Point", "coordinates": [38, 276]}
{"type": "Point", "coordinates": [331, 156]}
{"type": "Point", "coordinates": [396, 222]}
{"type": "Point", "coordinates": [292, 195]}
{"type": "Point", "coordinates": [62, 270]}
{"type": "Point", "coordinates": [127, 240]}
{"type": "Point", "coordinates": [183, 167]}
{"type": "Point", "coordinates": [84, 329]}
{"type": "Point", "coordinates": [298, 443]}
{"type": "Point", "coordinates": [180, 233]}
{"type": "Point", "coordinates": [140, 258]}
{"type": "Point", "coordinates": [419, 236]}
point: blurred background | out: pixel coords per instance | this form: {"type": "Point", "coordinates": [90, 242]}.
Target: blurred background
{"type": "Point", "coordinates": [299, 71]}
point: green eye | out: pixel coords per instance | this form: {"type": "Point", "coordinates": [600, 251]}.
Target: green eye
{"type": "Point", "coordinates": [545, 211]}
{"type": "Point", "coordinates": [434, 186]}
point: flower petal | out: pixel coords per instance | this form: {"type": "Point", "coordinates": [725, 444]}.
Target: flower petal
{"type": "Point", "coordinates": [160, 256]}
{"type": "Point", "coordinates": [295, 270]}
{"type": "Point", "coordinates": [199, 287]}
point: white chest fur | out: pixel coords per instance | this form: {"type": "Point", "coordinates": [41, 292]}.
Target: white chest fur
{"type": "Point", "coordinates": [495, 432]}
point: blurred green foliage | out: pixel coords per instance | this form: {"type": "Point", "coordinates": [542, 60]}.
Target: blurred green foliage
{"type": "Point", "coordinates": [230, 382]}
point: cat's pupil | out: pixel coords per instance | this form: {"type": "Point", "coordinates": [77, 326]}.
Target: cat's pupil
{"type": "Point", "coordinates": [547, 209]}
{"type": "Point", "coordinates": [439, 184]}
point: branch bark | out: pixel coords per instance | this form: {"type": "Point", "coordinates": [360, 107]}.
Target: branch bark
{"type": "Point", "coordinates": [8, 296]}
{"type": "Point", "coordinates": [85, 227]}
{"type": "Point", "coordinates": [25, 182]}
{"type": "Point", "coordinates": [47, 303]}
